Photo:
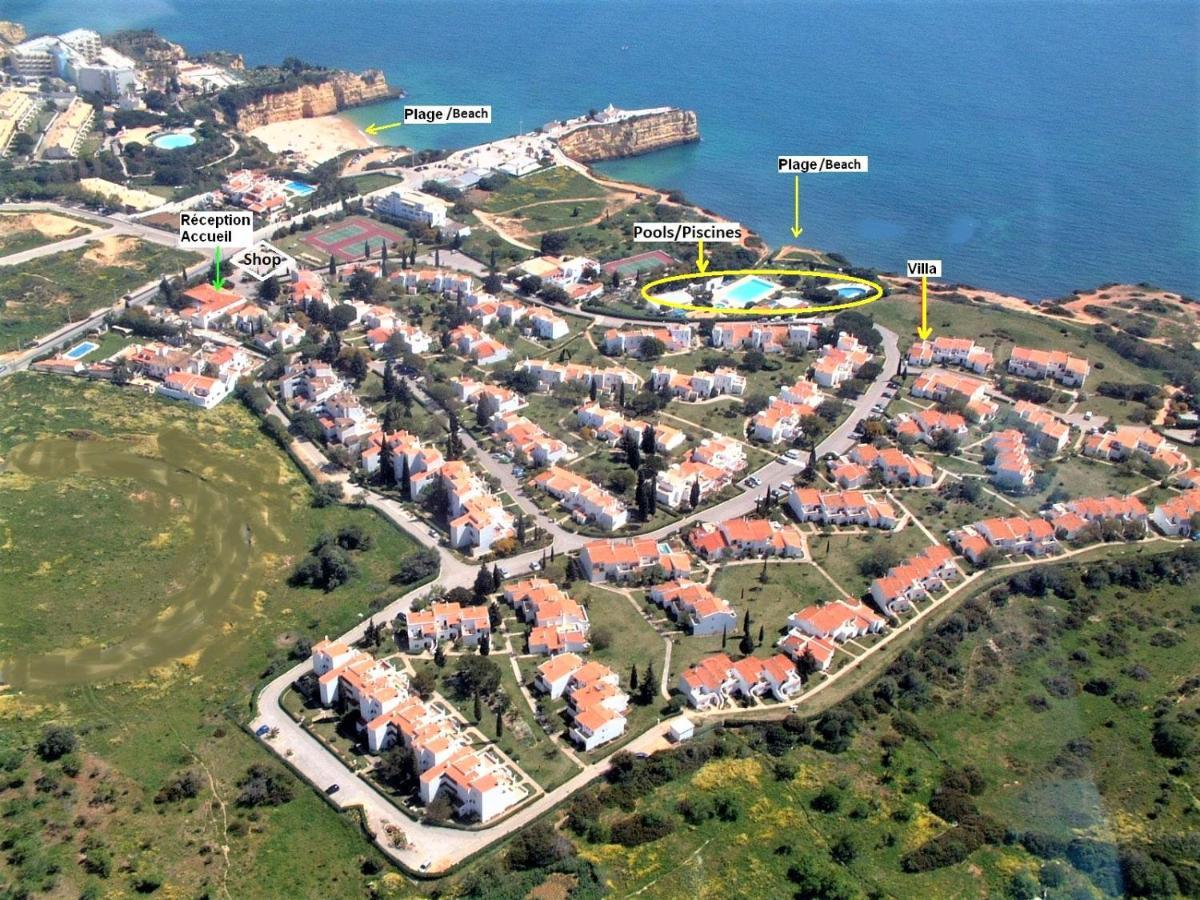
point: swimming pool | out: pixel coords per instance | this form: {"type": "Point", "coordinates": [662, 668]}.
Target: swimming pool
{"type": "Point", "coordinates": [747, 290]}
{"type": "Point", "coordinates": [174, 140]}
{"type": "Point", "coordinates": [299, 188]}
{"type": "Point", "coordinates": [81, 350]}
{"type": "Point", "coordinates": [850, 291]}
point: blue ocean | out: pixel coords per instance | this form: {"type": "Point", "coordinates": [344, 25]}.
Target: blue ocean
{"type": "Point", "coordinates": [1035, 147]}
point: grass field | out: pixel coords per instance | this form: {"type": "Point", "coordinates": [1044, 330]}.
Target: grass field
{"type": "Point", "coordinates": [95, 559]}
{"type": "Point", "coordinates": [47, 292]}
{"type": "Point", "coordinates": [841, 555]}
{"type": "Point", "coordinates": [554, 214]}
{"type": "Point", "coordinates": [557, 183]}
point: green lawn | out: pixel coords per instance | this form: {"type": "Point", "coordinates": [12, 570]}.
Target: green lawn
{"type": "Point", "coordinates": [1079, 476]}
{"type": "Point", "coordinates": [113, 553]}
{"type": "Point", "coordinates": [631, 640]}
{"type": "Point", "coordinates": [555, 214]}
{"type": "Point", "coordinates": [371, 181]}
{"type": "Point", "coordinates": [46, 293]}
{"type": "Point", "coordinates": [841, 554]}
{"type": "Point", "coordinates": [790, 586]}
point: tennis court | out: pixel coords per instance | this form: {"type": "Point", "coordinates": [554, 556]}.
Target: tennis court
{"type": "Point", "coordinates": [347, 240]}
{"type": "Point", "coordinates": [631, 266]}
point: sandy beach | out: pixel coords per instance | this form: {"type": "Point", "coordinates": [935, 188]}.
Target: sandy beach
{"type": "Point", "coordinates": [316, 139]}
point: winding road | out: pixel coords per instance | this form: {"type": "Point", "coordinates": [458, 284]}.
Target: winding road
{"type": "Point", "coordinates": [436, 849]}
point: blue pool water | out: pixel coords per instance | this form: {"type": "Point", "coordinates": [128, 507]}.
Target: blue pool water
{"type": "Point", "coordinates": [851, 292]}
{"type": "Point", "coordinates": [749, 290]}
{"type": "Point", "coordinates": [173, 141]}
{"type": "Point", "coordinates": [299, 188]}
{"type": "Point", "coordinates": [81, 350]}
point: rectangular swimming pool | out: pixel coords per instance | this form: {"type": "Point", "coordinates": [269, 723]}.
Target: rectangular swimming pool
{"type": "Point", "coordinates": [299, 188]}
{"type": "Point", "coordinates": [747, 290]}
{"type": "Point", "coordinates": [81, 350]}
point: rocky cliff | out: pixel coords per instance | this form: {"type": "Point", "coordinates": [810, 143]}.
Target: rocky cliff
{"type": "Point", "coordinates": [631, 137]}
{"type": "Point", "coordinates": [11, 33]}
{"type": "Point", "coordinates": [324, 97]}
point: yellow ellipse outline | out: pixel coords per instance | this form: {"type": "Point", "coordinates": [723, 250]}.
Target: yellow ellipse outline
{"type": "Point", "coordinates": [790, 311]}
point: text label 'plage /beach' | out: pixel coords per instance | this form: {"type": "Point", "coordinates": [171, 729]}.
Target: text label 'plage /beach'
{"type": "Point", "coordinates": [812, 165]}
{"type": "Point", "coordinates": [447, 115]}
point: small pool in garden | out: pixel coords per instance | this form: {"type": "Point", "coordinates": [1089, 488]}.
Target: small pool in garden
{"type": "Point", "coordinates": [81, 350]}
{"type": "Point", "coordinates": [174, 140]}
{"type": "Point", "coordinates": [850, 291]}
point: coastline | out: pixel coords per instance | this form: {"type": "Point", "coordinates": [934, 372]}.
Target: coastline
{"type": "Point", "coordinates": [314, 140]}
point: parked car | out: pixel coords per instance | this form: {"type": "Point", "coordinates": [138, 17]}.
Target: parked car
{"type": "Point", "coordinates": [752, 481]}
{"type": "Point", "coordinates": [262, 730]}
{"type": "Point", "coordinates": [333, 789]}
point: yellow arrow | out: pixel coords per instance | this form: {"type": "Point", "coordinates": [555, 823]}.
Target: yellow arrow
{"type": "Point", "coordinates": [701, 259]}
{"type": "Point", "coordinates": [924, 331]}
{"type": "Point", "coordinates": [375, 129]}
{"type": "Point", "coordinates": [796, 229]}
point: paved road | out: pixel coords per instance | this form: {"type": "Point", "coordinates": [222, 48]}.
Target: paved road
{"type": "Point", "coordinates": [115, 224]}
{"type": "Point", "coordinates": [438, 848]}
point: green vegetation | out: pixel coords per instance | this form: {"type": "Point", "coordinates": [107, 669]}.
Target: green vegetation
{"type": "Point", "coordinates": [557, 183]}
{"type": "Point", "coordinates": [139, 734]}
{"type": "Point", "coordinates": [45, 293]}
{"type": "Point", "coordinates": [552, 214]}
{"type": "Point", "coordinates": [1037, 743]}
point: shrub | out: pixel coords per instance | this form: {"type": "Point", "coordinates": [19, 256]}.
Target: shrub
{"type": "Point", "coordinates": [56, 741]}
{"type": "Point", "coordinates": [641, 828]}
{"type": "Point", "coordinates": [183, 786]}
{"type": "Point", "coordinates": [263, 786]}
{"type": "Point", "coordinates": [827, 801]}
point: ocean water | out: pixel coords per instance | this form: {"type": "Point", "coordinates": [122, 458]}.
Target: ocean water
{"type": "Point", "coordinates": [1034, 147]}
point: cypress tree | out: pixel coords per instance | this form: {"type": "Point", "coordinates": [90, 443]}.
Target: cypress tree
{"type": "Point", "coordinates": [761, 634]}
{"type": "Point", "coordinates": [499, 724]}
{"type": "Point", "coordinates": [485, 645]}
{"type": "Point", "coordinates": [724, 636]}
{"type": "Point", "coordinates": [483, 583]}
{"type": "Point", "coordinates": [646, 692]}
{"type": "Point", "coordinates": [478, 708]}
{"type": "Point", "coordinates": [332, 268]}
{"type": "Point", "coordinates": [746, 645]}
{"type": "Point", "coordinates": [497, 578]}
{"type": "Point", "coordinates": [648, 440]}
{"type": "Point", "coordinates": [633, 679]}
{"type": "Point", "coordinates": [405, 478]}
{"type": "Point", "coordinates": [694, 499]}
